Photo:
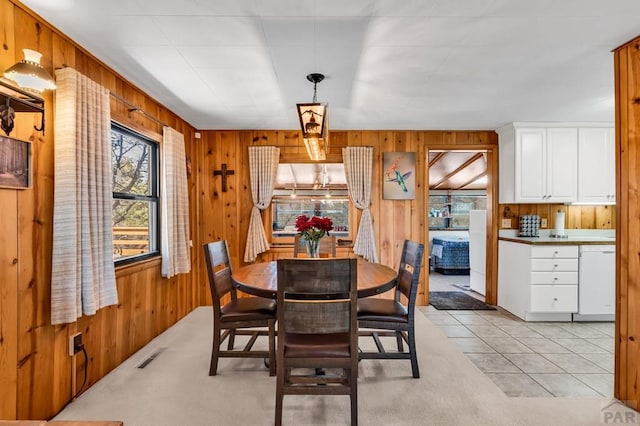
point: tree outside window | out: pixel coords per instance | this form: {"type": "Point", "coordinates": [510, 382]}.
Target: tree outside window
{"type": "Point", "coordinates": [135, 194]}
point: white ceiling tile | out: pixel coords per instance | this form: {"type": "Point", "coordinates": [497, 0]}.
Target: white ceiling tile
{"type": "Point", "coordinates": [417, 31]}
{"type": "Point", "coordinates": [211, 30]}
{"type": "Point", "coordinates": [341, 32]}
{"type": "Point", "coordinates": [137, 30]}
{"type": "Point", "coordinates": [157, 57]}
{"type": "Point", "coordinates": [460, 8]}
{"type": "Point", "coordinates": [225, 57]}
{"type": "Point", "coordinates": [289, 31]}
{"type": "Point", "coordinates": [298, 8]}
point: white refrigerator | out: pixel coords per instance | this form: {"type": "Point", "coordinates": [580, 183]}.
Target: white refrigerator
{"type": "Point", "coordinates": [478, 250]}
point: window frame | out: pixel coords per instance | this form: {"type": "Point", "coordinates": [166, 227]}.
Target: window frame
{"type": "Point", "coordinates": [154, 197]}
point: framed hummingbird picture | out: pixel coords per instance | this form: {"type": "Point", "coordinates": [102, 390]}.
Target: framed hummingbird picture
{"type": "Point", "coordinates": [398, 175]}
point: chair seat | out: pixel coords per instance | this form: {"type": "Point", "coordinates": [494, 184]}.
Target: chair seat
{"type": "Point", "coordinates": [374, 309]}
{"type": "Point", "coordinates": [248, 308]}
{"type": "Point", "coordinates": [334, 345]}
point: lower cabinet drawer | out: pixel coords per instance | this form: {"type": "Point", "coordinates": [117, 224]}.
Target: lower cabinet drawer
{"type": "Point", "coordinates": [554, 298]}
{"type": "Point", "coordinates": [554, 278]}
{"type": "Point", "coordinates": [552, 265]}
{"type": "Point", "coordinates": [555, 252]}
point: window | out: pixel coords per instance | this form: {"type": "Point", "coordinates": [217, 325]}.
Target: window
{"type": "Point", "coordinates": [135, 207]}
{"type": "Point", "coordinates": [450, 210]}
{"type": "Point", "coordinates": [311, 189]}
{"type": "Point", "coordinates": [286, 210]}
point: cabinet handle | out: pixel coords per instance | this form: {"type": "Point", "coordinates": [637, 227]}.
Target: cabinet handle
{"type": "Point", "coordinates": [555, 266]}
{"type": "Point", "coordinates": [555, 299]}
{"type": "Point", "coordinates": [555, 278]}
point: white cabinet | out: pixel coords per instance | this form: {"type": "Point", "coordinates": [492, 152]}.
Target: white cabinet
{"type": "Point", "coordinates": [596, 165]}
{"type": "Point", "coordinates": [538, 164]}
{"type": "Point", "coordinates": [538, 282]}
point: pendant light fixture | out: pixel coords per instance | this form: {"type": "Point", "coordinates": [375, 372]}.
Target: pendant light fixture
{"type": "Point", "coordinates": [313, 123]}
{"type": "Point", "coordinates": [29, 74]}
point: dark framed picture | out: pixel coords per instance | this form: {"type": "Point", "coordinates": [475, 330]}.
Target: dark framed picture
{"type": "Point", "coordinates": [398, 175]}
{"type": "Point", "coordinates": [15, 163]}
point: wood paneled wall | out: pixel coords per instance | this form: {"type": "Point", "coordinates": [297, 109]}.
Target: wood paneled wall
{"type": "Point", "coordinates": [575, 217]}
{"type": "Point", "coordinates": [225, 215]}
{"type": "Point", "coordinates": [35, 369]}
{"type": "Point", "coordinates": [627, 85]}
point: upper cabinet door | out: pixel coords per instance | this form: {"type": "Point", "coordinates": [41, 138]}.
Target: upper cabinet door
{"type": "Point", "coordinates": [530, 168]}
{"type": "Point", "coordinates": [562, 165]}
{"type": "Point", "coordinates": [546, 166]}
{"type": "Point", "coordinates": [596, 165]}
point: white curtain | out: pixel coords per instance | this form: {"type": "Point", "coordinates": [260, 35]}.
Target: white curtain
{"type": "Point", "coordinates": [174, 196]}
{"type": "Point", "coordinates": [358, 162]}
{"type": "Point", "coordinates": [263, 167]}
{"type": "Point", "coordinates": [83, 277]}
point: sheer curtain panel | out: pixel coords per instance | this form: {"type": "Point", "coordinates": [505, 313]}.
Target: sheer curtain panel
{"type": "Point", "coordinates": [263, 166]}
{"type": "Point", "coordinates": [83, 276]}
{"type": "Point", "coordinates": [174, 196]}
{"type": "Point", "coordinates": [358, 162]}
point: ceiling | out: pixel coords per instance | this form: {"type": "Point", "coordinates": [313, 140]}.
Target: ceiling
{"type": "Point", "coordinates": [310, 176]}
{"type": "Point", "coordinates": [453, 170]}
{"type": "Point", "coordinates": [411, 64]}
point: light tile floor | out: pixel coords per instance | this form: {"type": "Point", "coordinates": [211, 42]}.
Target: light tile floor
{"type": "Point", "coordinates": [530, 359]}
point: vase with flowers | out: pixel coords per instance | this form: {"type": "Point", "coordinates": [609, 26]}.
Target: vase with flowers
{"type": "Point", "coordinates": [311, 229]}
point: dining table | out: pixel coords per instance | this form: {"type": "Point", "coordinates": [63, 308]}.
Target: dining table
{"type": "Point", "coordinates": [261, 279]}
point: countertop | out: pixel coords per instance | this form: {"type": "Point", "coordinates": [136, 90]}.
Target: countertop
{"type": "Point", "coordinates": [572, 240]}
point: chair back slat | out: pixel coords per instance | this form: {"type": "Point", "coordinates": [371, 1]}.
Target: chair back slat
{"type": "Point", "coordinates": [216, 256]}
{"type": "Point", "coordinates": [409, 271]}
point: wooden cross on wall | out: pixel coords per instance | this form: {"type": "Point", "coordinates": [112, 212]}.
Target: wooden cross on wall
{"type": "Point", "coordinates": [224, 173]}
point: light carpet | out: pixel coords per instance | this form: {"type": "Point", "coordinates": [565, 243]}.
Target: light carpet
{"type": "Point", "coordinates": [174, 389]}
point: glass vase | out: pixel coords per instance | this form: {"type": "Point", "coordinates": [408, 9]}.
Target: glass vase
{"type": "Point", "coordinates": [312, 247]}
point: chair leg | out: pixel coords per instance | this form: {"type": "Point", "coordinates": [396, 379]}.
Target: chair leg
{"type": "Point", "coordinates": [399, 340]}
{"type": "Point", "coordinates": [353, 383]}
{"type": "Point", "coordinates": [272, 348]}
{"type": "Point", "coordinates": [412, 352]}
{"type": "Point", "coordinates": [215, 351]}
{"type": "Point", "coordinates": [232, 338]}
{"type": "Point", "coordinates": [279, 395]}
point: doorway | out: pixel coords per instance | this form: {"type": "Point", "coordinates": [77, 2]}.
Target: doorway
{"type": "Point", "coordinates": [461, 180]}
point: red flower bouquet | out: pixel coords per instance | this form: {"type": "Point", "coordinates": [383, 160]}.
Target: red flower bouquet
{"type": "Point", "coordinates": [312, 229]}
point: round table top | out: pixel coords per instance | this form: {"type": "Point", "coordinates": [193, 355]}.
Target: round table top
{"type": "Point", "coordinates": [261, 279]}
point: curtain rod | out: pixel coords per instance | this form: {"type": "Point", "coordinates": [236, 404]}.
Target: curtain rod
{"type": "Point", "coordinates": [133, 108]}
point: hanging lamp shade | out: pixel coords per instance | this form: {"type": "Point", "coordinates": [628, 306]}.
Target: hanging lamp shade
{"type": "Point", "coordinates": [28, 74]}
{"type": "Point", "coordinates": [314, 123]}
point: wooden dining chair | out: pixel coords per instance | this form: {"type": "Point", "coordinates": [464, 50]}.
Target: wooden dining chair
{"type": "Point", "coordinates": [390, 317]}
{"type": "Point", "coordinates": [326, 247]}
{"type": "Point", "coordinates": [317, 329]}
{"type": "Point", "coordinates": [233, 315]}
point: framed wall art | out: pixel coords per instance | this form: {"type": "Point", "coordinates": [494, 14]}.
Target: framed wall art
{"type": "Point", "coordinates": [15, 163]}
{"type": "Point", "coordinates": [398, 175]}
